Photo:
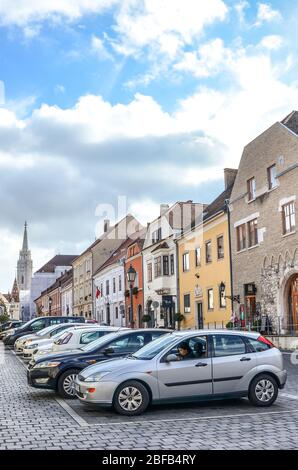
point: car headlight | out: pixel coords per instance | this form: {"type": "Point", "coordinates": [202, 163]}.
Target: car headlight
{"type": "Point", "coordinates": [31, 346]}
{"type": "Point", "coordinates": [96, 377]}
{"type": "Point", "coordinates": [41, 365]}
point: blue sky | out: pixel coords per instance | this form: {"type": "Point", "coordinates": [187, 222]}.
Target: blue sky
{"type": "Point", "coordinates": [149, 99]}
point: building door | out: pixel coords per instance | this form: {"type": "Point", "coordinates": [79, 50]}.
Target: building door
{"type": "Point", "coordinates": [294, 304]}
{"type": "Point", "coordinates": [250, 308]}
{"type": "Point", "coordinates": [200, 318]}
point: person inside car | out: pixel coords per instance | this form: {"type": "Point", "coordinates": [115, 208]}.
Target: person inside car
{"type": "Point", "coordinates": [185, 352]}
{"type": "Point", "coordinates": [198, 350]}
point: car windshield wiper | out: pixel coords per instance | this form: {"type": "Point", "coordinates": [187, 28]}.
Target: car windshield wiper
{"type": "Point", "coordinates": [131, 356]}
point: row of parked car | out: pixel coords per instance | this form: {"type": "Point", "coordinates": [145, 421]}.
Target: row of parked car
{"type": "Point", "coordinates": [129, 369]}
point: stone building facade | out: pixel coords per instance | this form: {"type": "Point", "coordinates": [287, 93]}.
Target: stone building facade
{"type": "Point", "coordinates": [264, 237]}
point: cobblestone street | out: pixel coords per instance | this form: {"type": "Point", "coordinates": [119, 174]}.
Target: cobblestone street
{"type": "Point", "coordinates": [33, 419]}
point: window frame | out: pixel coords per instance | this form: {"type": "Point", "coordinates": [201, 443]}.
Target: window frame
{"type": "Point", "coordinates": [209, 289]}
{"type": "Point", "coordinates": [223, 247]}
{"type": "Point", "coordinates": [184, 306]}
{"type": "Point", "coordinates": [269, 177]}
{"type": "Point", "coordinates": [251, 189]}
{"type": "Point", "coordinates": [185, 261]}
{"type": "Point", "coordinates": [254, 232]}
{"type": "Point", "coordinates": [241, 248]}
{"type": "Point", "coordinates": [284, 218]}
{"type": "Point", "coordinates": [208, 243]}
{"type": "Point", "coordinates": [198, 250]}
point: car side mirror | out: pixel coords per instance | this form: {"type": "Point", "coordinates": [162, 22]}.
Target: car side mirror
{"type": "Point", "coordinates": [108, 351]}
{"type": "Point", "coordinates": [171, 358]}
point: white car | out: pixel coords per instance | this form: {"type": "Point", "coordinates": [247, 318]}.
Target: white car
{"type": "Point", "coordinates": [47, 332]}
{"type": "Point", "coordinates": [73, 338]}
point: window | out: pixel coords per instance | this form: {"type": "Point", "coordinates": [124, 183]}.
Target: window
{"type": "Point", "coordinates": [251, 189]}
{"type": "Point", "coordinates": [252, 232]}
{"type": "Point", "coordinates": [228, 345]}
{"type": "Point", "coordinates": [241, 237]}
{"type": "Point", "coordinates": [257, 346]}
{"type": "Point", "coordinates": [210, 296]}
{"type": "Point", "coordinates": [222, 297]}
{"type": "Point", "coordinates": [271, 174]}
{"type": "Point", "coordinates": [157, 266]}
{"type": "Point", "coordinates": [101, 289]}
{"type": "Point", "coordinates": [165, 260]}
{"type": "Point", "coordinates": [114, 285]}
{"type": "Point", "coordinates": [288, 218]}
{"type": "Point", "coordinates": [185, 261]}
{"type": "Point", "coordinates": [220, 247]}
{"type": "Point", "coordinates": [156, 235]}
{"type": "Point", "coordinates": [172, 261]}
{"type": "Point", "coordinates": [120, 283]}
{"type": "Point", "coordinates": [107, 287]}
{"type": "Point", "coordinates": [87, 338]}
{"type": "Point", "coordinates": [117, 313]}
{"type": "Point", "coordinates": [198, 256]}
{"type": "Point", "coordinates": [197, 346]}
{"type": "Point", "coordinates": [208, 252]}
{"type": "Point", "coordinates": [39, 324]}
{"type": "Point", "coordinates": [149, 272]}
{"type": "Point", "coordinates": [186, 303]}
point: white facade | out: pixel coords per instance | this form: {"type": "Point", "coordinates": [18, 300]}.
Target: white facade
{"type": "Point", "coordinates": [110, 305]}
{"type": "Point", "coordinates": [159, 258]}
{"type": "Point", "coordinates": [40, 282]}
{"type": "Point", "coordinates": [66, 300]}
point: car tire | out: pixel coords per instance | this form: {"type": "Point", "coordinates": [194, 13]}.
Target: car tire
{"type": "Point", "coordinates": [64, 386]}
{"type": "Point", "coordinates": [131, 398]}
{"type": "Point", "coordinates": [263, 390]}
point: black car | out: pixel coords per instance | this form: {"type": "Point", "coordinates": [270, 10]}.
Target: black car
{"type": "Point", "coordinates": [10, 324]}
{"type": "Point", "coordinates": [58, 371]}
{"type": "Point", "coordinates": [37, 324]}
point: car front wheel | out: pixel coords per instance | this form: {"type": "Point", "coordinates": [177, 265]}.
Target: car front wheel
{"type": "Point", "coordinates": [131, 398]}
{"type": "Point", "coordinates": [263, 390]}
{"type": "Point", "coordinates": [65, 385]}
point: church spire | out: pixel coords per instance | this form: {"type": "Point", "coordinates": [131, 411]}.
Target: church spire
{"type": "Point", "coordinates": [25, 239]}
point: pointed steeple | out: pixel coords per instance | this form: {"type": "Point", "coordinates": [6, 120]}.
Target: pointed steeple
{"type": "Point", "coordinates": [25, 239]}
{"type": "Point", "coordinates": [15, 291]}
{"type": "Point", "coordinates": [25, 265]}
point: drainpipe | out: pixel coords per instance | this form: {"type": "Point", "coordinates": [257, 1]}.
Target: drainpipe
{"type": "Point", "coordinates": [227, 209]}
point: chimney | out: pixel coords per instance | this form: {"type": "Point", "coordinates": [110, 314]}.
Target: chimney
{"type": "Point", "coordinates": [230, 176]}
{"type": "Point", "coordinates": [164, 208]}
{"type": "Point", "coordinates": [106, 225]}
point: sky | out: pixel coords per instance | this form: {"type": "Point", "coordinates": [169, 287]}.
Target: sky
{"type": "Point", "coordinates": [142, 102]}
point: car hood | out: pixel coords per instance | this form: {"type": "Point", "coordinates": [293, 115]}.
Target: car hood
{"type": "Point", "coordinates": [112, 365]}
{"type": "Point", "coordinates": [24, 338]}
{"type": "Point", "coordinates": [41, 342]}
{"type": "Point", "coordinates": [60, 356]}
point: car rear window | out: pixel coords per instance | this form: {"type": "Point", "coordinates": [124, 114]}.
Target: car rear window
{"type": "Point", "coordinates": [257, 346]}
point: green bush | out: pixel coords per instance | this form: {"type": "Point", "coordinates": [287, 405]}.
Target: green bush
{"type": "Point", "coordinates": [146, 318]}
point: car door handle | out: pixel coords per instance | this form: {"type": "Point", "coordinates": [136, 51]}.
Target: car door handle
{"type": "Point", "coordinates": [245, 359]}
{"type": "Point", "coordinates": [201, 364]}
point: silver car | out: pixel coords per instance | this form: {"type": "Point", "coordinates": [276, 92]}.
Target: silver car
{"type": "Point", "coordinates": [187, 366]}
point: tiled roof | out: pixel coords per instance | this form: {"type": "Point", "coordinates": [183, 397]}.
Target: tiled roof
{"type": "Point", "coordinates": [291, 121]}
{"type": "Point", "coordinates": [161, 246]}
{"type": "Point", "coordinates": [58, 260]}
{"type": "Point", "coordinates": [218, 204]}
{"type": "Point", "coordinates": [116, 255]}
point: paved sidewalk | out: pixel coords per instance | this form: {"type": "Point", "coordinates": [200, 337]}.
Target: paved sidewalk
{"type": "Point", "coordinates": [33, 419]}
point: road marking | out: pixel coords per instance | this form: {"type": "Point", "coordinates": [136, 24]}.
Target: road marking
{"type": "Point", "coordinates": [72, 413]}
{"type": "Point", "coordinates": [289, 395]}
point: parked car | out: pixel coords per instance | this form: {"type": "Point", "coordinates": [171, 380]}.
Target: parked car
{"type": "Point", "coordinates": [47, 332]}
{"type": "Point", "coordinates": [187, 366]}
{"type": "Point", "coordinates": [37, 324]}
{"type": "Point", "coordinates": [9, 324]}
{"type": "Point", "coordinates": [58, 371]}
{"type": "Point", "coordinates": [73, 338]}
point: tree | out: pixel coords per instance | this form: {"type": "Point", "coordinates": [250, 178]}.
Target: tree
{"type": "Point", "coordinates": [3, 312]}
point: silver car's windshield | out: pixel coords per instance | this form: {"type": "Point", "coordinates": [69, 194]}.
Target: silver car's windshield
{"type": "Point", "coordinates": [100, 341]}
{"type": "Point", "coordinates": [152, 349]}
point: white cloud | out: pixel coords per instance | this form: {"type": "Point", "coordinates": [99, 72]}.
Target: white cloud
{"type": "Point", "coordinates": [98, 47]}
{"type": "Point", "coordinates": [164, 25]}
{"type": "Point", "coordinates": [240, 9]}
{"type": "Point", "coordinates": [209, 59]}
{"type": "Point", "coordinates": [266, 14]}
{"type": "Point", "coordinates": [272, 42]}
{"type": "Point", "coordinates": [24, 12]}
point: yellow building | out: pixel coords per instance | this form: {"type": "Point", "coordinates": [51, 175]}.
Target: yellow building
{"type": "Point", "coordinates": [204, 266]}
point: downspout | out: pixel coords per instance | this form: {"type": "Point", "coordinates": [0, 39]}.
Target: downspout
{"type": "Point", "coordinates": [227, 209]}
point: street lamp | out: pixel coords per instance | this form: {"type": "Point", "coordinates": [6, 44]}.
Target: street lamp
{"type": "Point", "coordinates": [131, 277]}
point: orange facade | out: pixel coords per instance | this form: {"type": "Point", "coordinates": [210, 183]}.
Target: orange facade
{"type": "Point", "coordinates": [134, 258]}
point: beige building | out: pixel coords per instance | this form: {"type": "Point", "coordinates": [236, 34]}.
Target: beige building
{"type": "Point", "coordinates": [89, 262]}
{"type": "Point", "coordinates": [263, 209]}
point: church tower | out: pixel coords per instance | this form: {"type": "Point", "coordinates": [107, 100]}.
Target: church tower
{"type": "Point", "coordinates": [25, 265]}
